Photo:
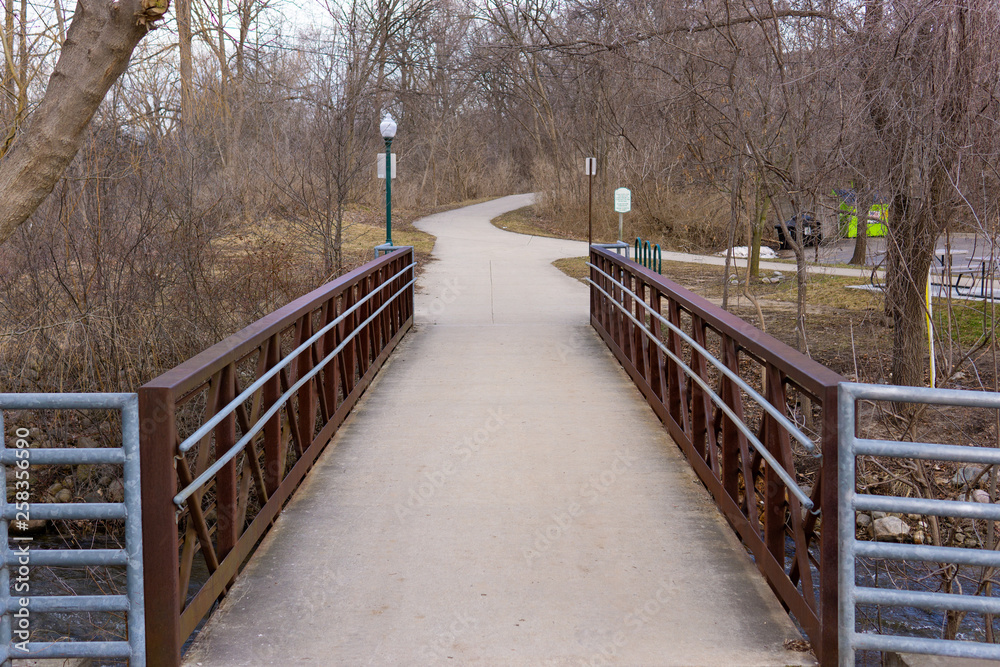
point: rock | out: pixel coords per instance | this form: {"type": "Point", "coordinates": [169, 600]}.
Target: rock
{"type": "Point", "coordinates": [105, 481]}
{"type": "Point", "coordinates": [878, 515]}
{"type": "Point", "coordinates": [32, 527]}
{"type": "Point", "coordinates": [958, 539]}
{"type": "Point", "coordinates": [116, 491]}
{"type": "Point", "coordinates": [64, 496]}
{"type": "Point", "coordinates": [86, 443]}
{"type": "Point", "coordinates": [919, 537]}
{"type": "Point", "coordinates": [68, 483]}
{"type": "Point", "coordinates": [965, 475]}
{"type": "Point", "coordinates": [891, 529]}
{"type": "Point", "coordinates": [778, 274]}
{"type": "Point", "coordinates": [863, 520]}
{"type": "Point", "coordinates": [83, 472]}
{"type": "Point", "coordinates": [12, 477]}
{"type": "Point", "coordinates": [980, 496]}
{"type": "Point", "coordinates": [54, 489]}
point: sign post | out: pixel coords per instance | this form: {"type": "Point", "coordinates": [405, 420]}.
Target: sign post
{"type": "Point", "coordinates": [590, 168]}
{"type": "Point", "coordinates": [623, 204]}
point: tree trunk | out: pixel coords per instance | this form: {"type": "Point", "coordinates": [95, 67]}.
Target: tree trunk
{"type": "Point", "coordinates": [861, 207]}
{"type": "Point", "coordinates": [909, 260]}
{"type": "Point", "coordinates": [97, 49]}
{"type": "Point", "coordinates": [184, 48]}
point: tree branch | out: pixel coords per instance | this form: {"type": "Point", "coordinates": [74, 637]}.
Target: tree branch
{"type": "Point", "coordinates": [96, 52]}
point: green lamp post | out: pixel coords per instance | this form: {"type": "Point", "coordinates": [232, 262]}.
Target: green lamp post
{"type": "Point", "coordinates": [388, 129]}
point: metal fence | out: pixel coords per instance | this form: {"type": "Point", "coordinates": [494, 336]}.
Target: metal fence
{"type": "Point", "coordinates": [851, 501]}
{"type": "Point", "coordinates": [229, 434]}
{"type": "Point", "coordinates": [19, 609]}
{"type": "Point", "coordinates": [744, 408]}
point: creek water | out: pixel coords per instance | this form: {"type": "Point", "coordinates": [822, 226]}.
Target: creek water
{"type": "Point", "coordinates": [906, 621]}
{"type": "Point", "coordinates": [912, 621]}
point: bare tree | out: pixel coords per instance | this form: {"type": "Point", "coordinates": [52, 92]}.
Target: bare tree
{"type": "Point", "coordinates": [924, 84]}
{"type": "Point", "coordinates": [98, 45]}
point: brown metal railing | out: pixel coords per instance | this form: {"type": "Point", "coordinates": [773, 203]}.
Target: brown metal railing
{"type": "Point", "coordinates": [228, 435]}
{"type": "Point", "coordinates": [795, 547]}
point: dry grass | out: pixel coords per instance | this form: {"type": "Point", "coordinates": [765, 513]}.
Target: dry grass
{"type": "Point", "coordinates": [529, 221]}
{"type": "Point", "coordinates": [689, 219]}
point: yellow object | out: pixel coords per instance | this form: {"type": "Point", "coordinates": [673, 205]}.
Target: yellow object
{"type": "Point", "coordinates": [930, 329]}
{"type": "Point", "coordinates": [878, 216]}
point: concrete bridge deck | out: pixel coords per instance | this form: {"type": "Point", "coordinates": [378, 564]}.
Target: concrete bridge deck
{"type": "Point", "coordinates": [502, 495]}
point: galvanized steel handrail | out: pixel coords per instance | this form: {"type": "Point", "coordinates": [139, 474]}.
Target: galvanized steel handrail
{"type": "Point", "coordinates": [850, 447]}
{"type": "Point", "coordinates": [207, 427]}
{"type": "Point", "coordinates": [790, 483]}
{"type": "Point", "coordinates": [221, 461]}
{"type": "Point", "coordinates": [787, 423]}
{"type": "Point", "coordinates": [134, 648]}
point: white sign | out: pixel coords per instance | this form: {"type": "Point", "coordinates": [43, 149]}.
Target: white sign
{"type": "Point", "coordinates": [623, 200]}
{"type": "Point", "coordinates": [590, 166]}
{"type": "Point", "coordinates": [381, 165]}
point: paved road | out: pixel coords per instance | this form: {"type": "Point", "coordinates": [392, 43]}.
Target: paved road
{"type": "Point", "coordinates": [502, 495]}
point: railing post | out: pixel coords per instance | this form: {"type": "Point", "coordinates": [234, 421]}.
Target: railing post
{"type": "Point", "coordinates": [411, 289]}
{"type": "Point", "coordinates": [331, 374]}
{"type": "Point", "coordinates": [158, 440]}
{"type": "Point", "coordinates": [656, 357]}
{"type": "Point", "coordinates": [829, 595]}
{"type": "Point", "coordinates": [350, 351]}
{"type": "Point", "coordinates": [775, 496]}
{"type": "Point", "coordinates": [226, 531]}
{"type": "Point", "coordinates": [306, 418]}
{"type": "Point", "coordinates": [274, 461]}
{"type": "Point", "coordinates": [733, 456]}
{"type": "Point", "coordinates": [702, 433]}
{"type": "Point", "coordinates": [678, 391]}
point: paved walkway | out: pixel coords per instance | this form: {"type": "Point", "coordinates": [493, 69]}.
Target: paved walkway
{"type": "Point", "coordinates": [502, 495]}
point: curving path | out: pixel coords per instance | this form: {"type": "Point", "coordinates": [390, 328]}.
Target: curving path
{"type": "Point", "coordinates": [502, 495]}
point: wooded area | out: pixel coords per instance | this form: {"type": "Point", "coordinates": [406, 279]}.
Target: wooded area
{"type": "Point", "coordinates": [139, 229]}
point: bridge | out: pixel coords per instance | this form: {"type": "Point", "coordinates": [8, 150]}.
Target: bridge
{"type": "Point", "coordinates": [494, 464]}
{"type": "Point", "coordinates": [501, 495]}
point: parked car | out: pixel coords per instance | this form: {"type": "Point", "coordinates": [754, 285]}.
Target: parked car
{"type": "Point", "coordinates": [811, 233]}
